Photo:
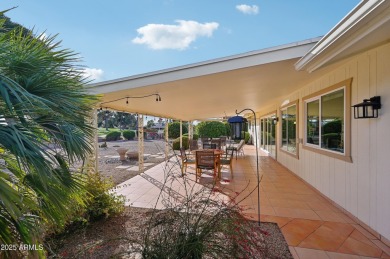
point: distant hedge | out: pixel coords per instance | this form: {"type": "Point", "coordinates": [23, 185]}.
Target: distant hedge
{"type": "Point", "coordinates": [113, 135]}
{"type": "Point", "coordinates": [128, 134]}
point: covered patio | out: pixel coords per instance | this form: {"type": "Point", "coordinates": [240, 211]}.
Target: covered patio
{"type": "Point", "coordinates": [312, 226]}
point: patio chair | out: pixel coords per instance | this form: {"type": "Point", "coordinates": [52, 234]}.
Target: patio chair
{"type": "Point", "coordinates": [217, 142]}
{"type": "Point", "coordinates": [185, 160]}
{"type": "Point", "coordinates": [238, 148]}
{"type": "Point", "coordinates": [209, 146]}
{"type": "Point", "coordinates": [227, 159]}
{"type": "Point", "coordinates": [207, 160]}
{"type": "Point", "coordinates": [205, 140]}
{"type": "Point", "coordinates": [193, 144]}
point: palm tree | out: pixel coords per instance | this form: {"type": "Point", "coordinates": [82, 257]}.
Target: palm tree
{"type": "Point", "coordinates": [43, 128]}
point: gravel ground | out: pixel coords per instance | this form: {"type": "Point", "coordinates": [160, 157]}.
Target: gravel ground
{"type": "Point", "coordinates": [112, 238]}
{"type": "Point", "coordinates": [107, 163]}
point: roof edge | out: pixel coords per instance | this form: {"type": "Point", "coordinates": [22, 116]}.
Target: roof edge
{"type": "Point", "coordinates": [209, 62]}
{"type": "Point", "coordinates": [353, 20]}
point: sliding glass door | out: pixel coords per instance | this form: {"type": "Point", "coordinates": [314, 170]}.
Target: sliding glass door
{"type": "Point", "coordinates": [268, 134]}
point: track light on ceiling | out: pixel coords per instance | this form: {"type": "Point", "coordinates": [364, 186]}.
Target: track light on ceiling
{"type": "Point", "coordinates": [158, 98]}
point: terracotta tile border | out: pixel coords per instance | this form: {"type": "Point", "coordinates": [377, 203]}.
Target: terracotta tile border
{"type": "Point", "coordinates": [382, 242]}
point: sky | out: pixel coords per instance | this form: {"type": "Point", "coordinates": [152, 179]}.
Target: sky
{"type": "Point", "coordinates": [122, 38]}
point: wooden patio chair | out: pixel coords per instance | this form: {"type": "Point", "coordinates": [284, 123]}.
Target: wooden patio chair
{"type": "Point", "coordinates": [217, 142]}
{"type": "Point", "coordinates": [209, 146]}
{"type": "Point", "coordinates": [207, 160]}
{"type": "Point", "coordinates": [227, 159]}
{"type": "Point", "coordinates": [185, 160]}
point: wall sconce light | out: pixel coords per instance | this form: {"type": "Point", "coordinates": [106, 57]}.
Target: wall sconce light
{"type": "Point", "coordinates": [368, 108]}
{"type": "Point", "coordinates": [275, 120]}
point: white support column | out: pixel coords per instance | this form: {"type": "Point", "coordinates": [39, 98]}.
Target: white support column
{"type": "Point", "coordinates": [141, 143]}
{"type": "Point", "coordinates": [181, 134]}
{"type": "Point", "coordinates": [166, 142]}
{"type": "Point", "coordinates": [190, 134]}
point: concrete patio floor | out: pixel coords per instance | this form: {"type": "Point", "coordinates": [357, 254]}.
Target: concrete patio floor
{"type": "Point", "coordinates": [312, 226]}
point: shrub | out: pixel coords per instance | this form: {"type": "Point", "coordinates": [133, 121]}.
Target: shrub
{"type": "Point", "coordinates": [194, 137]}
{"type": "Point", "coordinates": [174, 129]}
{"type": "Point", "coordinates": [228, 128]}
{"type": "Point", "coordinates": [101, 204]}
{"type": "Point", "coordinates": [201, 225]}
{"type": "Point", "coordinates": [113, 136]}
{"type": "Point", "coordinates": [211, 129]}
{"type": "Point", "coordinates": [128, 134]}
{"type": "Point", "coordinates": [176, 143]}
{"type": "Point", "coordinates": [247, 137]}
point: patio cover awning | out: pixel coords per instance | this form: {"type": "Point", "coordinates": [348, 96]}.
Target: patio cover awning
{"type": "Point", "coordinates": [212, 89]}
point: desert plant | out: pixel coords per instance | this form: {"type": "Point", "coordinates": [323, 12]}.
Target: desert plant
{"type": "Point", "coordinates": [101, 203]}
{"type": "Point", "coordinates": [113, 136]}
{"type": "Point", "coordinates": [211, 129]}
{"type": "Point", "coordinates": [203, 223]}
{"type": "Point", "coordinates": [128, 134]}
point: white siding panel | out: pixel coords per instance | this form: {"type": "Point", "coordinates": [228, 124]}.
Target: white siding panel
{"type": "Point", "coordinates": [363, 186]}
{"type": "Point", "coordinates": [383, 147]}
{"type": "Point", "coordinates": [363, 148]}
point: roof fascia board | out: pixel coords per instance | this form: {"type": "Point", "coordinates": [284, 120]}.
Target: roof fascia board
{"type": "Point", "coordinates": [260, 57]}
{"type": "Point", "coordinates": [357, 24]}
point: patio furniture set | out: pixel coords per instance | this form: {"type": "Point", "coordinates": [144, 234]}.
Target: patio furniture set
{"type": "Point", "coordinates": [215, 153]}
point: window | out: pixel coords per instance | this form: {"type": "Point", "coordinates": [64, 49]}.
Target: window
{"type": "Point", "coordinates": [268, 134]}
{"type": "Point", "coordinates": [289, 115]}
{"type": "Point", "coordinates": [327, 121]}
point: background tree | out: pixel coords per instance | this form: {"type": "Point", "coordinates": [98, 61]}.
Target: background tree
{"type": "Point", "coordinates": [150, 124]}
{"type": "Point", "coordinates": [174, 129]}
{"type": "Point", "coordinates": [211, 129]}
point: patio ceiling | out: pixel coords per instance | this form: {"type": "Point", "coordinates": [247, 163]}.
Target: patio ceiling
{"type": "Point", "coordinates": [213, 88]}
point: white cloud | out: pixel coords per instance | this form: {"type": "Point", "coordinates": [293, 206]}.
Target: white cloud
{"type": "Point", "coordinates": [247, 9]}
{"type": "Point", "coordinates": [94, 74]}
{"type": "Point", "coordinates": [180, 36]}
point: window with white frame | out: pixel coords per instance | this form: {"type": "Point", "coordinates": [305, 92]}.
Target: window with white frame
{"type": "Point", "coordinates": [289, 130]}
{"type": "Point", "coordinates": [327, 121]}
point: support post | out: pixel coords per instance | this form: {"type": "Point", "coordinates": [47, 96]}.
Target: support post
{"type": "Point", "coordinates": [181, 134]}
{"type": "Point", "coordinates": [141, 143]}
{"type": "Point", "coordinates": [166, 142]}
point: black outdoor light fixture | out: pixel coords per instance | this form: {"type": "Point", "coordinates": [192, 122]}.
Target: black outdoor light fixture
{"type": "Point", "coordinates": [368, 108]}
{"type": "Point", "coordinates": [275, 120]}
{"type": "Point", "coordinates": [238, 125]}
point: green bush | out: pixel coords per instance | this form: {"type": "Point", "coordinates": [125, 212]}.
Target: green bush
{"type": "Point", "coordinates": [101, 204]}
{"type": "Point", "coordinates": [247, 137]}
{"type": "Point", "coordinates": [211, 129]}
{"type": "Point", "coordinates": [176, 143]}
{"type": "Point", "coordinates": [174, 129]}
{"type": "Point", "coordinates": [195, 136]}
{"type": "Point", "coordinates": [228, 128]}
{"type": "Point", "coordinates": [128, 134]}
{"type": "Point", "coordinates": [113, 135]}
